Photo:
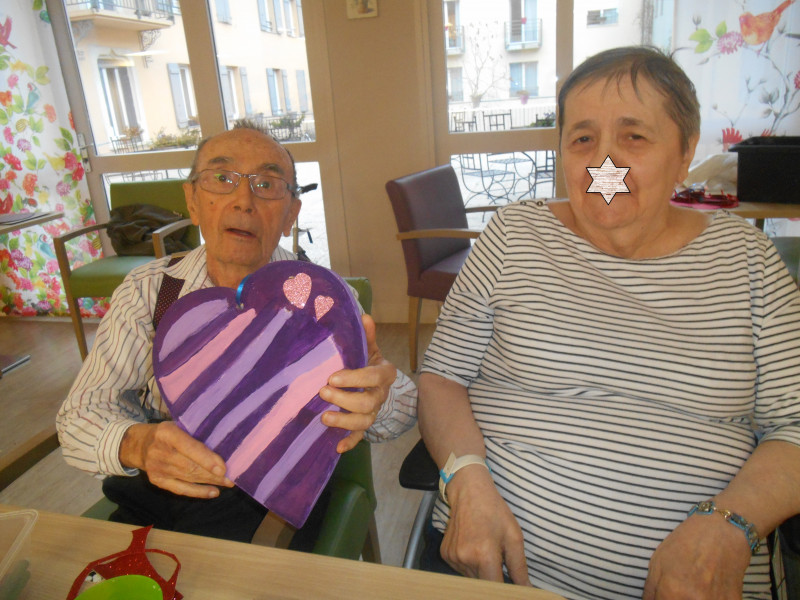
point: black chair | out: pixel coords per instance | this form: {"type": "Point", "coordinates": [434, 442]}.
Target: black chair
{"type": "Point", "coordinates": [419, 472]}
{"type": "Point", "coordinates": [461, 124]}
{"type": "Point", "coordinates": [545, 171]}
{"type": "Point", "coordinates": [480, 179]}
{"type": "Point", "coordinates": [497, 121]}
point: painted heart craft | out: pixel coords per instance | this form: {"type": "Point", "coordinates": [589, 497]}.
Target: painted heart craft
{"type": "Point", "coordinates": [241, 370]}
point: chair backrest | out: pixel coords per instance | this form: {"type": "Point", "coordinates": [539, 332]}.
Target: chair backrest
{"type": "Point", "coordinates": [165, 193]}
{"type": "Point", "coordinates": [429, 199]}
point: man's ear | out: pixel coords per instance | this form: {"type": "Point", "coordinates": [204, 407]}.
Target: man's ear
{"type": "Point", "coordinates": [191, 202]}
{"type": "Point", "coordinates": [291, 216]}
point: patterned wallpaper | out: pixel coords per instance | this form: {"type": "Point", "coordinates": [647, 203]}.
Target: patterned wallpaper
{"type": "Point", "coordinates": [40, 168]}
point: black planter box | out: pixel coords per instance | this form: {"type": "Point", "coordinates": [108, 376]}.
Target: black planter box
{"type": "Point", "coordinates": [769, 169]}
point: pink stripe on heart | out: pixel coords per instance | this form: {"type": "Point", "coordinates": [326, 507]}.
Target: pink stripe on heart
{"type": "Point", "coordinates": [174, 384]}
{"type": "Point", "coordinates": [297, 289]}
{"type": "Point", "coordinates": [204, 403]}
{"type": "Point", "coordinates": [294, 453]}
{"type": "Point", "coordinates": [284, 378]}
{"type": "Point", "coordinates": [300, 393]}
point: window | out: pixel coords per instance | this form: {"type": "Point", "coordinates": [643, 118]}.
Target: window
{"type": "Point", "coordinates": [287, 99]}
{"type": "Point", "coordinates": [302, 94]}
{"type": "Point", "coordinates": [248, 107]}
{"type": "Point", "coordinates": [229, 91]}
{"type": "Point", "coordinates": [287, 15]}
{"type": "Point", "coordinates": [300, 27]}
{"type": "Point", "coordinates": [606, 16]}
{"type": "Point", "coordinates": [276, 9]}
{"type": "Point", "coordinates": [119, 97]}
{"type": "Point", "coordinates": [455, 84]}
{"type": "Point", "coordinates": [223, 11]}
{"type": "Point", "coordinates": [272, 85]}
{"type": "Point", "coordinates": [453, 32]}
{"type": "Point", "coordinates": [523, 26]}
{"type": "Point", "coordinates": [264, 16]}
{"type": "Point", "coordinates": [524, 77]}
{"type": "Point", "coordinates": [180, 81]}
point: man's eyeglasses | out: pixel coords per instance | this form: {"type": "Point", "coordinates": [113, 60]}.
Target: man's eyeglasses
{"type": "Point", "coordinates": [222, 181]}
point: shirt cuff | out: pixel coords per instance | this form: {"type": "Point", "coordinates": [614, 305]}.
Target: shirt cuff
{"type": "Point", "coordinates": [108, 446]}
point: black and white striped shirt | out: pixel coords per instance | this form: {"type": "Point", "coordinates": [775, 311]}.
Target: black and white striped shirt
{"type": "Point", "coordinates": [116, 388]}
{"type": "Point", "coordinates": [613, 394]}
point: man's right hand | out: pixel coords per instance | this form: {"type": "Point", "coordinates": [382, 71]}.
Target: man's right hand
{"type": "Point", "coordinates": [174, 460]}
{"type": "Point", "coordinates": [482, 533]}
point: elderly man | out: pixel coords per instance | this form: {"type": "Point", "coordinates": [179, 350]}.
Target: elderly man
{"type": "Point", "coordinates": [242, 193]}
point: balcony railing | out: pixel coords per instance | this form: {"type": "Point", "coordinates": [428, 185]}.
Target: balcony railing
{"type": "Point", "coordinates": [454, 40]}
{"type": "Point", "coordinates": [141, 9]}
{"type": "Point", "coordinates": [523, 34]}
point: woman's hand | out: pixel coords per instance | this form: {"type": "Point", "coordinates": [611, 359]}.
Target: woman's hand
{"type": "Point", "coordinates": [482, 534]}
{"type": "Point", "coordinates": [374, 380]}
{"type": "Point", "coordinates": [704, 558]}
{"type": "Point", "coordinates": [173, 460]}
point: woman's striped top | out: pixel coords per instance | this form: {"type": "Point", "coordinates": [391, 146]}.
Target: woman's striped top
{"type": "Point", "coordinates": [613, 394]}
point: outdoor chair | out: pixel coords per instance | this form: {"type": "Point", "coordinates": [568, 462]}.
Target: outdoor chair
{"type": "Point", "coordinates": [432, 226]}
{"type": "Point", "coordinates": [461, 124]}
{"type": "Point", "coordinates": [99, 278]}
{"type": "Point", "coordinates": [544, 171]}
{"type": "Point", "coordinates": [497, 121]}
{"type": "Point", "coordinates": [481, 179]}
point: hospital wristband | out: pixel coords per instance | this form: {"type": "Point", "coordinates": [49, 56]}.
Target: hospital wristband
{"type": "Point", "coordinates": [452, 465]}
{"type": "Point", "coordinates": [708, 507]}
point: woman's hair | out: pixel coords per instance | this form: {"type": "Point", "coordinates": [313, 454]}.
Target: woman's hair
{"type": "Point", "coordinates": [663, 73]}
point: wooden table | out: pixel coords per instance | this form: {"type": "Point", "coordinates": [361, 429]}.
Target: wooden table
{"type": "Point", "coordinates": [11, 361]}
{"type": "Point", "coordinates": [766, 210]}
{"type": "Point", "coordinates": [62, 545]}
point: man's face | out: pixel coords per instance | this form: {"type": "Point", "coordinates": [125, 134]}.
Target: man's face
{"type": "Point", "coordinates": [240, 229]}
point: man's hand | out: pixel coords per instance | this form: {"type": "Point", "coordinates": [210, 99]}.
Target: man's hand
{"type": "Point", "coordinates": [374, 380]}
{"type": "Point", "coordinates": [482, 534]}
{"type": "Point", "coordinates": [174, 460]}
{"type": "Point", "coordinates": [704, 558]}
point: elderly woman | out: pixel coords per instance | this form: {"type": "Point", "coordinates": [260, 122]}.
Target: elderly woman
{"type": "Point", "coordinates": [628, 371]}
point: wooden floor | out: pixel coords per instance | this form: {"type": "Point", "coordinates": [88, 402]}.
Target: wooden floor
{"type": "Point", "coordinates": [31, 394]}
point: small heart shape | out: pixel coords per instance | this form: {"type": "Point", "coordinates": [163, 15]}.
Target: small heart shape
{"type": "Point", "coordinates": [322, 304]}
{"type": "Point", "coordinates": [297, 289]}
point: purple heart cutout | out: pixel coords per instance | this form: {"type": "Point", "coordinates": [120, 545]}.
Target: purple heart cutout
{"type": "Point", "coordinates": [245, 378]}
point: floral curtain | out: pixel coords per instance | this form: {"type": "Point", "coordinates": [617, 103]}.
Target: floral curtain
{"type": "Point", "coordinates": [40, 168]}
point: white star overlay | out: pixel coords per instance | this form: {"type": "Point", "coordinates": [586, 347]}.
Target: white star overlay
{"type": "Point", "coordinates": [608, 179]}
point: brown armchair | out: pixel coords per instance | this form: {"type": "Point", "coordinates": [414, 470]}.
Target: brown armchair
{"type": "Point", "coordinates": [432, 225]}
{"type": "Point", "coordinates": [99, 278]}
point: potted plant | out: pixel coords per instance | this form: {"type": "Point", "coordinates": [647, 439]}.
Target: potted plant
{"type": "Point", "coordinates": [523, 96]}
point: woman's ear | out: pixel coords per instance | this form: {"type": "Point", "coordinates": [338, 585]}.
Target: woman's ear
{"type": "Point", "coordinates": [688, 157]}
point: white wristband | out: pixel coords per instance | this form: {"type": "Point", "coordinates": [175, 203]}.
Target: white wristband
{"type": "Point", "coordinates": [452, 465]}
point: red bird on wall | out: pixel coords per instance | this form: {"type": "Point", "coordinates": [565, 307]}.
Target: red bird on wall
{"type": "Point", "coordinates": [757, 29]}
{"type": "Point", "coordinates": [5, 33]}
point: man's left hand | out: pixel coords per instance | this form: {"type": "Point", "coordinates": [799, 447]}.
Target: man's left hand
{"type": "Point", "coordinates": [374, 381]}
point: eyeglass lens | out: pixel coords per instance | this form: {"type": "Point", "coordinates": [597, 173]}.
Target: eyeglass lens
{"type": "Point", "coordinates": [221, 181]}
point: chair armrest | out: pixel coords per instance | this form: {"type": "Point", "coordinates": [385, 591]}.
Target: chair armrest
{"type": "Point", "coordinates": [162, 232]}
{"type": "Point", "coordinates": [472, 209]}
{"type": "Point", "coordinates": [65, 237]}
{"type": "Point", "coordinates": [345, 525]}
{"type": "Point", "coordinates": [59, 245]}
{"type": "Point", "coordinates": [419, 471]}
{"type": "Point", "coordinates": [416, 234]}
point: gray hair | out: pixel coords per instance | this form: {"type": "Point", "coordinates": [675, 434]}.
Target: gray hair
{"type": "Point", "coordinates": [253, 126]}
{"type": "Point", "coordinates": [680, 97]}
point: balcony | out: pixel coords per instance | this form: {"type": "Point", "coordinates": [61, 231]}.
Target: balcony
{"type": "Point", "coordinates": [454, 40]}
{"type": "Point", "coordinates": [136, 15]}
{"type": "Point", "coordinates": [523, 35]}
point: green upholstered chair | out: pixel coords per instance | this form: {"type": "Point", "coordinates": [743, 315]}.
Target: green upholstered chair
{"type": "Point", "coordinates": [348, 528]}
{"type": "Point", "coordinates": [99, 278]}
